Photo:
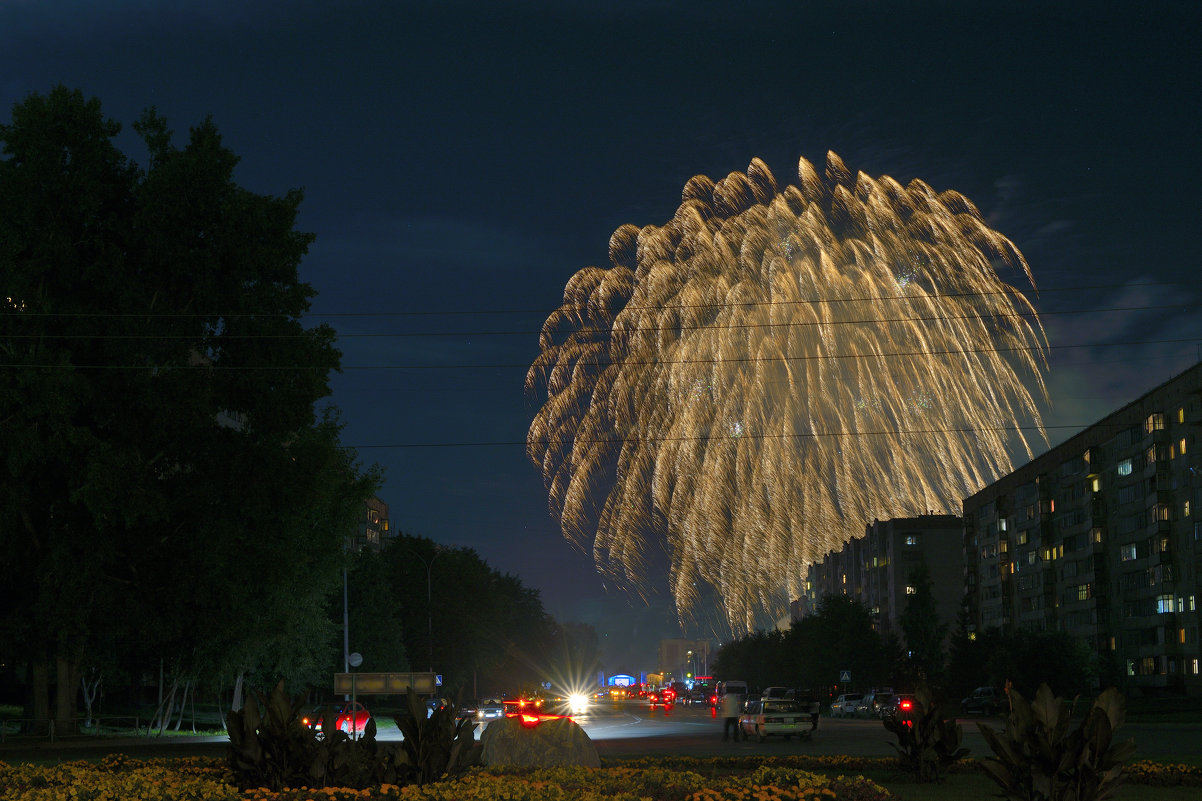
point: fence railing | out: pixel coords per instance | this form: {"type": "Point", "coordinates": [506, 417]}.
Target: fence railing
{"type": "Point", "coordinates": [49, 729]}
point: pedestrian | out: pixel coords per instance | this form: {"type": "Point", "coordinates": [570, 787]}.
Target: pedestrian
{"type": "Point", "coordinates": [732, 705]}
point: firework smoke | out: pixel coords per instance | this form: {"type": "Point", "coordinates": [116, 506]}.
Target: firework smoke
{"type": "Point", "coordinates": [750, 384]}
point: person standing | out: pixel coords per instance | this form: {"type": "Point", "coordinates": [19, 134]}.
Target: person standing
{"type": "Point", "coordinates": [732, 706]}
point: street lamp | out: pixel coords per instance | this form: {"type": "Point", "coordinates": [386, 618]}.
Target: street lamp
{"type": "Point", "coordinates": [429, 563]}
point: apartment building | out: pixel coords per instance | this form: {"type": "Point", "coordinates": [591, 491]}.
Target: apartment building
{"type": "Point", "coordinates": [875, 568]}
{"type": "Point", "coordinates": [1100, 538]}
{"type": "Point", "coordinates": [374, 527]}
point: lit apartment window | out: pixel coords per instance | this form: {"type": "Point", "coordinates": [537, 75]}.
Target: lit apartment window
{"type": "Point", "coordinates": [1095, 484]}
{"type": "Point", "coordinates": [1127, 552]}
{"type": "Point", "coordinates": [1181, 636]}
{"type": "Point", "coordinates": [911, 590]}
{"type": "Point", "coordinates": [1022, 538]}
{"type": "Point", "coordinates": [911, 539]}
{"type": "Point", "coordinates": [1124, 468]}
{"type": "Point", "coordinates": [1185, 509]}
{"type": "Point", "coordinates": [1181, 446]}
{"type": "Point", "coordinates": [1164, 604]}
{"type": "Point", "coordinates": [1003, 524]}
{"type": "Point", "coordinates": [1083, 592]}
{"type": "Point", "coordinates": [1194, 666]}
{"type": "Point", "coordinates": [1181, 419]}
{"type": "Point", "coordinates": [1155, 422]}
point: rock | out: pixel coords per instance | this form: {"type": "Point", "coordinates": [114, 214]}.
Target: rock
{"type": "Point", "coordinates": [552, 743]}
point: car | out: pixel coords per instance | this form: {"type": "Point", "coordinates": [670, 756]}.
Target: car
{"type": "Point", "coordinates": [349, 718]}
{"type": "Point", "coordinates": [845, 705]}
{"type": "Point", "coordinates": [872, 704]}
{"type": "Point", "coordinates": [775, 717]}
{"type": "Point", "coordinates": [776, 692]}
{"type": "Point", "coordinates": [902, 706]}
{"type": "Point", "coordinates": [665, 697]}
{"type": "Point", "coordinates": [985, 701]}
{"type": "Point", "coordinates": [483, 709]}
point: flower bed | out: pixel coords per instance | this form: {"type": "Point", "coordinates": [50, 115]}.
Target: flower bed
{"type": "Point", "coordinates": [792, 778]}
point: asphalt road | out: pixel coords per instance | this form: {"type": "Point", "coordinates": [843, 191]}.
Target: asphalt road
{"type": "Point", "coordinates": [632, 729]}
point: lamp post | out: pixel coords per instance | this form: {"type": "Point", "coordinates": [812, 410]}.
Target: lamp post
{"type": "Point", "coordinates": [429, 563]}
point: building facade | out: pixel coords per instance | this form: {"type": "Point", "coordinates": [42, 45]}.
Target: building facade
{"type": "Point", "coordinates": [374, 527]}
{"type": "Point", "coordinates": [874, 569]}
{"type": "Point", "coordinates": [1100, 538]}
{"type": "Point", "coordinates": [683, 660]}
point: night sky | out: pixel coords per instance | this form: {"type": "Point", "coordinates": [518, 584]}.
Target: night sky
{"type": "Point", "coordinates": [460, 161]}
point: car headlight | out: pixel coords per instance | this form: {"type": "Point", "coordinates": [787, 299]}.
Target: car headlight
{"type": "Point", "coordinates": [577, 703]}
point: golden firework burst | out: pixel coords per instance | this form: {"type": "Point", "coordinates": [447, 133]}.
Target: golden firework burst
{"type": "Point", "coordinates": [748, 385]}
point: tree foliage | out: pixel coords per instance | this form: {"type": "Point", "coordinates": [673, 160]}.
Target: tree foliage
{"type": "Point", "coordinates": [169, 490]}
{"type": "Point", "coordinates": [924, 631]}
{"type": "Point", "coordinates": [483, 631]}
{"type": "Point", "coordinates": [812, 653]}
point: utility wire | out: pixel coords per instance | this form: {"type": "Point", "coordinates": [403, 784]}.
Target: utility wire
{"type": "Point", "coordinates": [607, 331]}
{"type": "Point", "coordinates": [525, 366]}
{"type": "Point", "coordinates": [460, 312]}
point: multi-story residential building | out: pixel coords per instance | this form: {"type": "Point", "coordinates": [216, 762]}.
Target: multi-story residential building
{"type": "Point", "coordinates": [373, 526]}
{"type": "Point", "coordinates": [1099, 537]}
{"type": "Point", "coordinates": [875, 568]}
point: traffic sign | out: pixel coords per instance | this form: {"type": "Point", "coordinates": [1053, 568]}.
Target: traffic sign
{"type": "Point", "coordinates": [844, 676]}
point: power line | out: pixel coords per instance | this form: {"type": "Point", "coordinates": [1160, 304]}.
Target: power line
{"type": "Point", "coordinates": [744, 435]}
{"type": "Point", "coordinates": [605, 331]}
{"type": "Point", "coordinates": [544, 311]}
{"type": "Point", "coordinates": [525, 366]}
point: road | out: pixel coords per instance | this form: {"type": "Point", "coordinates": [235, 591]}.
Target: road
{"type": "Point", "coordinates": [631, 729]}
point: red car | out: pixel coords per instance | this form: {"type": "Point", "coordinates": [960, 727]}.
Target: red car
{"type": "Point", "coordinates": [348, 718]}
{"type": "Point", "coordinates": [665, 697]}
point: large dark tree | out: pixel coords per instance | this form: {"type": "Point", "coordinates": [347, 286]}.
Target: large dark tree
{"type": "Point", "coordinates": [812, 653]}
{"type": "Point", "coordinates": [168, 492]}
{"type": "Point", "coordinates": [484, 632]}
{"type": "Point", "coordinates": [924, 631]}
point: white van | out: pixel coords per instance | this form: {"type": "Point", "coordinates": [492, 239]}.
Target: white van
{"type": "Point", "coordinates": [726, 687]}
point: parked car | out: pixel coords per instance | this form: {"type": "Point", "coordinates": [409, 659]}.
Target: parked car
{"type": "Point", "coordinates": [775, 717]}
{"type": "Point", "coordinates": [845, 705]}
{"type": "Point", "coordinates": [901, 706]}
{"type": "Point", "coordinates": [986, 701]}
{"type": "Point", "coordinates": [349, 718]}
{"type": "Point", "coordinates": [872, 704]}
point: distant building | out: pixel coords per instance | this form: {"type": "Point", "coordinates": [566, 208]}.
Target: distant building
{"type": "Point", "coordinates": [874, 569]}
{"type": "Point", "coordinates": [684, 659]}
{"type": "Point", "coordinates": [1100, 538]}
{"type": "Point", "coordinates": [374, 527]}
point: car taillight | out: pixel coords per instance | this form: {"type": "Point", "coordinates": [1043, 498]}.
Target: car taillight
{"type": "Point", "coordinates": [905, 705]}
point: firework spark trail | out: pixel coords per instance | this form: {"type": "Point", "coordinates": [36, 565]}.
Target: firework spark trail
{"type": "Point", "coordinates": [750, 384]}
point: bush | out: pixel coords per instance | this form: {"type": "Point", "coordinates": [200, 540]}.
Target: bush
{"type": "Point", "coordinates": [1038, 758]}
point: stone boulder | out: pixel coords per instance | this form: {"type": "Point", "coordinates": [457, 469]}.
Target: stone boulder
{"type": "Point", "coordinates": [552, 743]}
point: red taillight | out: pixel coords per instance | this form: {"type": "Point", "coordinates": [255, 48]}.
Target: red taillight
{"type": "Point", "coordinates": [529, 721]}
{"type": "Point", "coordinates": [905, 705]}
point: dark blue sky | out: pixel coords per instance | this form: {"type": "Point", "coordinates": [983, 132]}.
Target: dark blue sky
{"type": "Point", "coordinates": [461, 161]}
